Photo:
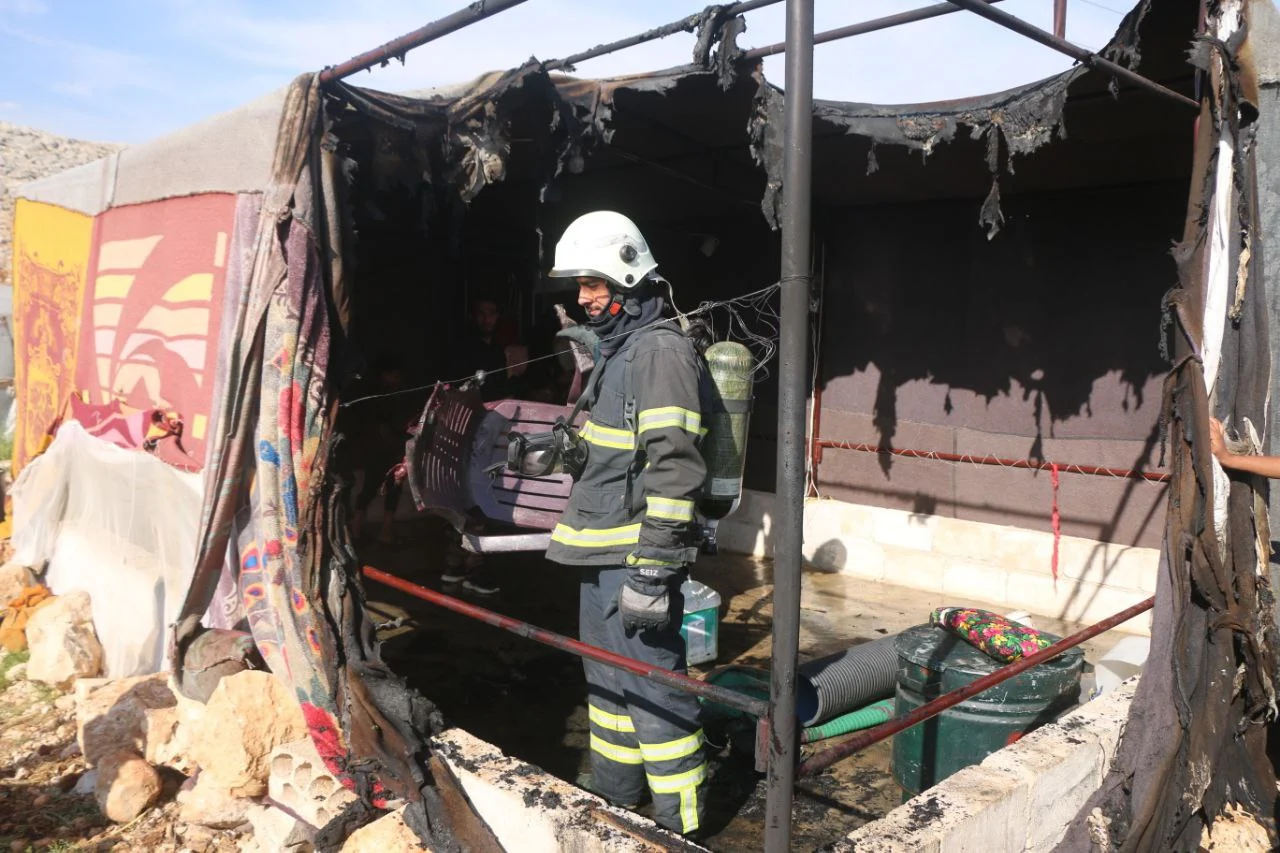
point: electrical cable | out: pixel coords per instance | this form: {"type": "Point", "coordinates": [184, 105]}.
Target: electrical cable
{"type": "Point", "coordinates": [763, 345]}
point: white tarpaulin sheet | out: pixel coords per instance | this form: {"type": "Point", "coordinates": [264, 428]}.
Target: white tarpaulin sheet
{"type": "Point", "coordinates": [120, 525]}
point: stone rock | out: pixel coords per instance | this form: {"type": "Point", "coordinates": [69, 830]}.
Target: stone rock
{"type": "Point", "coordinates": [300, 782]}
{"type": "Point", "coordinates": [17, 672]}
{"type": "Point", "coordinates": [14, 578]}
{"type": "Point", "coordinates": [127, 786]}
{"type": "Point", "coordinates": [387, 833]}
{"type": "Point", "coordinates": [62, 642]}
{"type": "Point", "coordinates": [248, 715]}
{"type": "Point", "coordinates": [113, 715]}
{"type": "Point", "coordinates": [275, 830]}
{"type": "Point", "coordinates": [205, 804]}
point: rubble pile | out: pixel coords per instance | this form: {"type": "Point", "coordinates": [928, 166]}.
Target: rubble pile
{"type": "Point", "coordinates": [25, 155]}
{"type": "Point", "coordinates": [236, 773]}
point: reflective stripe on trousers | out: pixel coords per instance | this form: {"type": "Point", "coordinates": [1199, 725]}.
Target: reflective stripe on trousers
{"type": "Point", "coordinates": [642, 733]}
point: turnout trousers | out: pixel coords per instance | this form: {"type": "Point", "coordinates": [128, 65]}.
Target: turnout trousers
{"type": "Point", "coordinates": [641, 732]}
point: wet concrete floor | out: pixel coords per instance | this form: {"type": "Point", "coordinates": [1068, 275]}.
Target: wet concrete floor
{"type": "Point", "coordinates": [529, 700]}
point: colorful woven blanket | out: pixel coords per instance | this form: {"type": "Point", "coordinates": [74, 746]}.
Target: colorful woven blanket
{"type": "Point", "coordinates": [991, 633]}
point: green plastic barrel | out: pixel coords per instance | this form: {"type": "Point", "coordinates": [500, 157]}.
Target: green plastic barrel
{"type": "Point", "coordinates": [932, 661]}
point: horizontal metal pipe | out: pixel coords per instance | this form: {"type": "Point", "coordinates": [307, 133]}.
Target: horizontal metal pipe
{"type": "Point", "coordinates": [1067, 467]}
{"type": "Point", "coordinates": [1084, 57]}
{"type": "Point", "coordinates": [684, 25]}
{"type": "Point", "coordinates": [755, 707]}
{"type": "Point", "coordinates": [862, 29]}
{"type": "Point", "coordinates": [432, 31]}
{"type": "Point", "coordinates": [822, 760]}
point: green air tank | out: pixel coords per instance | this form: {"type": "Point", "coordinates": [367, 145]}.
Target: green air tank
{"type": "Point", "coordinates": [933, 661]}
{"type": "Point", "coordinates": [725, 447]}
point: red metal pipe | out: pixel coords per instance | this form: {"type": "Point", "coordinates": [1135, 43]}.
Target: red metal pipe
{"type": "Point", "coordinates": [815, 448]}
{"type": "Point", "coordinates": [1060, 19]}
{"type": "Point", "coordinates": [399, 47]}
{"type": "Point", "coordinates": [1095, 470]}
{"type": "Point", "coordinates": [755, 707]}
{"type": "Point", "coordinates": [822, 760]}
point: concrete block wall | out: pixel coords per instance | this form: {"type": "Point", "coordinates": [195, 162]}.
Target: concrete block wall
{"type": "Point", "coordinates": [1021, 798]}
{"type": "Point", "coordinates": [532, 811]}
{"type": "Point", "coordinates": [972, 560]}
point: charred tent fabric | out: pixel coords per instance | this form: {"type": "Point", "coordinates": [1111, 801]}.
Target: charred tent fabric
{"type": "Point", "coordinates": [1196, 739]}
{"type": "Point", "coordinates": [266, 501]}
{"type": "Point", "coordinates": [273, 537]}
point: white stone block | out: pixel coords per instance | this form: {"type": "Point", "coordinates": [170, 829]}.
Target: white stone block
{"type": "Point", "coordinates": [1037, 593]}
{"type": "Point", "coordinates": [1108, 564]}
{"type": "Point", "coordinates": [904, 529]}
{"type": "Point", "coordinates": [915, 569]}
{"type": "Point", "coordinates": [973, 540]}
{"type": "Point", "coordinates": [1026, 551]}
{"type": "Point", "coordinates": [972, 580]}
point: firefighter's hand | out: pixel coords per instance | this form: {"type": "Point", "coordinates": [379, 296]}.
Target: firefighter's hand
{"type": "Point", "coordinates": [644, 604]}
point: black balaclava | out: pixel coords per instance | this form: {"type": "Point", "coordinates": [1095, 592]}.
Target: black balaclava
{"type": "Point", "coordinates": [628, 311]}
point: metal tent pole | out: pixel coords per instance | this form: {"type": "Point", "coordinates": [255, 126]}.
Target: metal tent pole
{"type": "Point", "coordinates": [865, 27]}
{"type": "Point", "coordinates": [1084, 57]}
{"type": "Point", "coordinates": [792, 389]}
{"type": "Point", "coordinates": [432, 31]}
{"type": "Point", "coordinates": [684, 25]}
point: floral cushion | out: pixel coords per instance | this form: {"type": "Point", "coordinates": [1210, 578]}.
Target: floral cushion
{"type": "Point", "coordinates": [993, 634]}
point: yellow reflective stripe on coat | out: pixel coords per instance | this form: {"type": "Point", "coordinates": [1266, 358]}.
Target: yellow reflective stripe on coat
{"type": "Point", "coordinates": [618, 439]}
{"type": "Point", "coordinates": [674, 509]}
{"type": "Point", "coordinates": [613, 752]}
{"type": "Point", "coordinates": [669, 416]}
{"type": "Point", "coordinates": [672, 749]}
{"type": "Point", "coordinates": [626, 535]}
{"type": "Point", "coordinates": [686, 785]}
{"type": "Point", "coordinates": [610, 722]}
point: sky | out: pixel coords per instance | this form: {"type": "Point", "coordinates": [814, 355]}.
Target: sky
{"type": "Point", "coordinates": [131, 70]}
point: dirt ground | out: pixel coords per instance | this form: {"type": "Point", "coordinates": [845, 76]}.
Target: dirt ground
{"type": "Point", "coordinates": [40, 764]}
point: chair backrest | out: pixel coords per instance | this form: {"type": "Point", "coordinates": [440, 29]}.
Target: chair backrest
{"type": "Point", "coordinates": [528, 502]}
{"type": "Point", "coordinates": [459, 437]}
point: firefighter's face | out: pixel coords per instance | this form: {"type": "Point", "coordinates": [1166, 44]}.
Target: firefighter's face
{"type": "Point", "coordinates": [593, 296]}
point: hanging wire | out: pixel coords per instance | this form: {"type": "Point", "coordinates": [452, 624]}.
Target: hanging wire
{"type": "Point", "coordinates": [762, 346]}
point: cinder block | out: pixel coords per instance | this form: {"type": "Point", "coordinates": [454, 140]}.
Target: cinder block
{"type": "Point", "coordinates": [533, 812]}
{"type": "Point", "coordinates": [915, 569]}
{"type": "Point", "coordinates": [1108, 564]}
{"type": "Point", "coordinates": [301, 783]}
{"type": "Point", "coordinates": [1037, 593]}
{"type": "Point", "coordinates": [993, 813]}
{"type": "Point", "coordinates": [973, 580]}
{"type": "Point", "coordinates": [904, 529]}
{"type": "Point", "coordinates": [1061, 771]}
{"type": "Point", "coordinates": [1018, 799]}
{"type": "Point", "coordinates": [1023, 550]}
{"type": "Point", "coordinates": [972, 810]}
{"type": "Point", "coordinates": [973, 540]}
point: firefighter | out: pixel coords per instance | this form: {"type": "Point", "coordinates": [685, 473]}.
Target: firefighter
{"type": "Point", "coordinates": [629, 523]}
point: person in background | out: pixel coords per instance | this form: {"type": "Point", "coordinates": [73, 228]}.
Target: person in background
{"type": "Point", "coordinates": [378, 440]}
{"type": "Point", "coordinates": [489, 347]}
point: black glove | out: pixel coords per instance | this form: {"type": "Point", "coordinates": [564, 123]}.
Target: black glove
{"type": "Point", "coordinates": [644, 601]}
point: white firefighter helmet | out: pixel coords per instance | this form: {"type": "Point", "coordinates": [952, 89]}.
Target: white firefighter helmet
{"type": "Point", "coordinates": [606, 245]}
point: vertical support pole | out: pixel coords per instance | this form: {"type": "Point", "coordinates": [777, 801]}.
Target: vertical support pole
{"type": "Point", "coordinates": [1060, 18]}
{"type": "Point", "coordinates": [792, 390]}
